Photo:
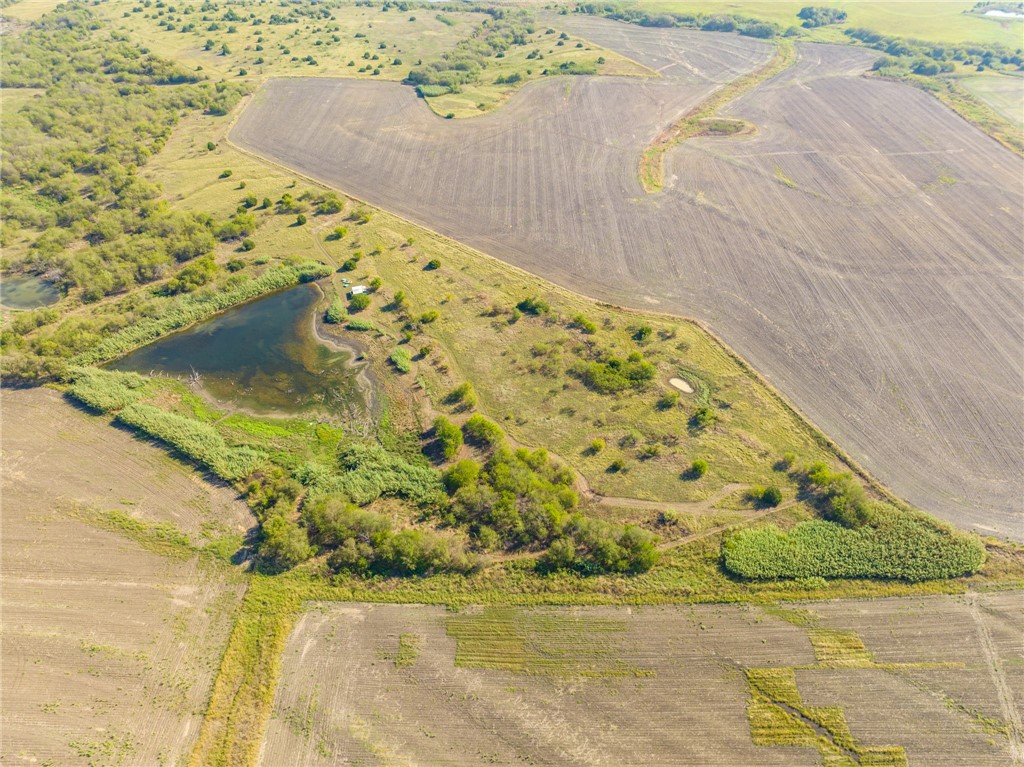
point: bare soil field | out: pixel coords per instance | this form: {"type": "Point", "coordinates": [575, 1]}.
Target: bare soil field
{"type": "Point", "coordinates": [389, 684]}
{"type": "Point", "coordinates": [109, 649]}
{"type": "Point", "coordinates": [862, 249]}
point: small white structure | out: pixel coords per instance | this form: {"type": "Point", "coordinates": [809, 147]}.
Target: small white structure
{"type": "Point", "coordinates": [357, 289]}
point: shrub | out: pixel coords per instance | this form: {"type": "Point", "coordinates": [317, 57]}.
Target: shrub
{"type": "Point", "coordinates": [838, 495]}
{"type": "Point", "coordinates": [617, 466]}
{"type": "Point", "coordinates": [338, 233]}
{"type": "Point", "coordinates": [248, 245]}
{"type": "Point", "coordinates": [359, 302]}
{"type": "Point", "coordinates": [699, 468]}
{"type": "Point", "coordinates": [596, 446]}
{"type": "Point", "coordinates": [428, 317]}
{"type": "Point", "coordinates": [401, 359]}
{"type": "Point", "coordinates": [464, 394]}
{"type": "Point", "coordinates": [335, 313]}
{"type": "Point", "coordinates": [482, 431]}
{"type": "Point", "coordinates": [647, 452]}
{"type": "Point", "coordinates": [449, 437]}
{"type": "Point", "coordinates": [767, 496]}
{"type": "Point", "coordinates": [329, 205]}
{"type": "Point", "coordinates": [668, 400]}
{"type": "Point", "coordinates": [585, 325]}
{"type": "Point", "coordinates": [193, 276]}
{"type": "Point", "coordinates": [462, 474]}
{"type": "Point", "coordinates": [235, 265]}
{"type": "Point", "coordinates": [534, 306]}
{"type": "Point", "coordinates": [225, 174]}
{"type": "Point", "coordinates": [899, 545]}
{"type": "Point", "coordinates": [349, 265]}
{"type": "Point", "coordinates": [432, 264]}
{"type": "Point", "coordinates": [643, 333]}
{"type": "Point", "coordinates": [284, 544]}
{"type": "Point", "coordinates": [703, 418]}
{"type": "Point", "coordinates": [300, 220]}
{"type": "Point", "coordinates": [593, 547]}
{"type": "Point", "coordinates": [356, 323]}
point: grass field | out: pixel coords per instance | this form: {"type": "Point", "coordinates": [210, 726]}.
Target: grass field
{"type": "Point", "coordinates": [931, 20]}
{"type": "Point", "coordinates": [1004, 94]}
{"type": "Point", "coordinates": [813, 247]}
{"type": "Point", "coordinates": [30, 10]}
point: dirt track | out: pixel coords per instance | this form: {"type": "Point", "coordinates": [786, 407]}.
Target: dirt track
{"type": "Point", "coordinates": [862, 250]}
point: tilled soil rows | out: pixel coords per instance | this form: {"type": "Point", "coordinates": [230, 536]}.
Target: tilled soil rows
{"type": "Point", "coordinates": [109, 650]}
{"type": "Point", "coordinates": [401, 684]}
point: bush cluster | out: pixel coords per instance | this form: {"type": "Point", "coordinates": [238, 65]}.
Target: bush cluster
{"type": "Point", "coordinates": [364, 542]}
{"type": "Point", "coordinates": [592, 547]}
{"type": "Point", "coordinates": [610, 374]}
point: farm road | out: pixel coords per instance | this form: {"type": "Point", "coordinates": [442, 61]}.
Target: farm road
{"type": "Point", "coordinates": [863, 250]}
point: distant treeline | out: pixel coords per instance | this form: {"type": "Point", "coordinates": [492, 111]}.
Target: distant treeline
{"type": "Point", "coordinates": [719, 22]}
{"type": "Point", "coordinates": [920, 57]}
{"type": "Point", "coordinates": [930, 59]}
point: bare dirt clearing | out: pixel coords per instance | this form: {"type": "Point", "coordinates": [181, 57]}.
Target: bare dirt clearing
{"type": "Point", "coordinates": [862, 250]}
{"type": "Point", "coordinates": [391, 684]}
{"type": "Point", "coordinates": [108, 650]}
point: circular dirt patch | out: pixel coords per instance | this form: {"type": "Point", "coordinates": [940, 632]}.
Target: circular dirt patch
{"type": "Point", "coordinates": [682, 385]}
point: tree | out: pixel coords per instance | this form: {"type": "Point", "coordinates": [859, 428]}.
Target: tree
{"type": "Point", "coordinates": [284, 544]}
{"type": "Point", "coordinates": [463, 474]}
{"type": "Point", "coordinates": [335, 313]}
{"type": "Point", "coordinates": [359, 302]}
{"type": "Point", "coordinates": [449, 437]}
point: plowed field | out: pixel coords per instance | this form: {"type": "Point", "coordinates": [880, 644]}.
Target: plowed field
{"type": "Point", "coordinates": [109, 650]}
{"type": "Point", "coordinates": [397, 685]}
{"type": "Point", "coordinates": [863, 249]}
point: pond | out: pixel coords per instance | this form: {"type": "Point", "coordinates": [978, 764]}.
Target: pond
{"type": "Point", "coordinates": [27, 293]}
{"type": "Point", "coordinates": [1004, 14]}
{"type": "Point", "coordinates": [264, 356]}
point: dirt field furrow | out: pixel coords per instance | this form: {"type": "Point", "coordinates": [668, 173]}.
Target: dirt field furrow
{"type": "Point", "coordinates": [862, 249]}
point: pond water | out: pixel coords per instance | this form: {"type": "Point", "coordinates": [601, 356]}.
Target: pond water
{"type": "Point", "coordinates": [27, 293]}
{"type": "Point", "coordinates": [263, 356]}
